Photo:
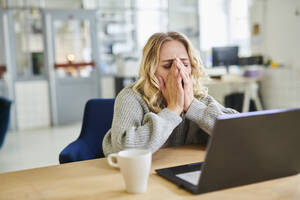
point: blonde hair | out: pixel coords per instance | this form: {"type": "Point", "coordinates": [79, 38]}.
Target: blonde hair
{"type": "Point", "coordinates": [147, 84]}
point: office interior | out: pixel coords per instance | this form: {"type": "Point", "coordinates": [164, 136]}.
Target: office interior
{"type": "Point", "coordinates": [55, 55]}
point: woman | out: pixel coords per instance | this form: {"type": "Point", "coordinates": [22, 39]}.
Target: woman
{"type": "Point", "coordinates": [168, 105]}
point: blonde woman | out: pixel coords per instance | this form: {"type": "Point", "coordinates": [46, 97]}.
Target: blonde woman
{"type": "Point", "coordinates": [168, 105]}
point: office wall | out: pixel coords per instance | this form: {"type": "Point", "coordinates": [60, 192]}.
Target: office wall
{"type": "Point", "coordinates": [280, 88]}
{"type": "Point", "coordinates": [279, 30]}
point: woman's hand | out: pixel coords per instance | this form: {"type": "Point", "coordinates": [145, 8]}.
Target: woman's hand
{"type": "Point", "coordinates": [172, 89]}
{"type": "Point", "coordinates": [187, 84]}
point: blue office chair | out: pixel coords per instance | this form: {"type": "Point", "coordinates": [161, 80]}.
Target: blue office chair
{"type": "Point", "coordinates": [4, 117]}
{"type": "Point", "coordinates": [97, 120]}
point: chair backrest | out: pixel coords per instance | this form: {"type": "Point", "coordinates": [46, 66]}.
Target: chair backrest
{"type": "Point", "coordinates": [4, 117]}
{"type": "Point", "coordinates": [97, 120]}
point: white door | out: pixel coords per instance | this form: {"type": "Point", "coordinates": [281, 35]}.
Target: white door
{"type": "Point", "coordinates": [72, 62]}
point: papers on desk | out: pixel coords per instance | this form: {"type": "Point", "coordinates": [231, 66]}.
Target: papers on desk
{"type": "Point", "coordinates": [215, 71]}
{"type": "Point", "coordinates": [221, 71]}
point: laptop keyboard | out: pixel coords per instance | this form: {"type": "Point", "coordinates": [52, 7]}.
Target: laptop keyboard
{"type": "Point", "coordinates": [191, 177]}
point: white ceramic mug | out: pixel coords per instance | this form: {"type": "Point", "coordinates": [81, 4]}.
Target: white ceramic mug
{"type": "Point", "coordinates": [135, 165]}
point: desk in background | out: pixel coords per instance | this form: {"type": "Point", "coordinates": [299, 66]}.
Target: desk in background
{"type": "Point", "coordinates": [228, 84]}
{"type": "Point", "coordinates": [95, 179]}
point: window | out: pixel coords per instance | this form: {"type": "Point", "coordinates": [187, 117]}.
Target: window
{"type": "Point", "coordinates": [223, 23]}
{"type": "Point", "coordinates": [151, 17]}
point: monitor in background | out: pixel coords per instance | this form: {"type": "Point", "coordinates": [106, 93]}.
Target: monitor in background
{"type": "Point", "coordinates": [225, 56]}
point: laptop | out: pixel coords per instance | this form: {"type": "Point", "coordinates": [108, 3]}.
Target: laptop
{"type": "Point", "coordinates": [244, 148]}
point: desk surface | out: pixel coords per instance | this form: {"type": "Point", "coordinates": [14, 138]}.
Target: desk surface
{"type": "Point", "coordinates": [94, 179]}
{"type": "Point", "coordinates": [233, 79]}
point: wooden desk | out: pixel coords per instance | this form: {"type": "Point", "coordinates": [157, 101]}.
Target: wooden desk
{"type": "Point", "coordinates": [94, 179]}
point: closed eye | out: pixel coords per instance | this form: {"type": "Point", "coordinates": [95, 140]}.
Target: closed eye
{"type": "Point", "coordinates": [186, 64]}
{"type": "Point", "coordinates": [167, 66]}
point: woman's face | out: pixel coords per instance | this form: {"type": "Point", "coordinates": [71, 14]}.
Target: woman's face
{"type": "Point", "coordinates": [168, 52]}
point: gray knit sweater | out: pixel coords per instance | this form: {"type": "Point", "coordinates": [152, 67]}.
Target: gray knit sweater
{"type": "Point", "coordinates": [135, 126]}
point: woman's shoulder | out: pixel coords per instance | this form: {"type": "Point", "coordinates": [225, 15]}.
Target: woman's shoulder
{"type": "Point", "coordinates": [128, 92]}
{"type": "Point", "coordinates": [128, 95]}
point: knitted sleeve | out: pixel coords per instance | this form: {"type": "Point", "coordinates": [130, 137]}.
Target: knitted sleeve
{"type": "Point", "coordinates": [205, 111]}
{"type": "Point", "coordinates": [133, 128]}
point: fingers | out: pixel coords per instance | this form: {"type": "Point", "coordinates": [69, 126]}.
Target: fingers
{"type": "Point", "coordinates": [179, 80]}
{"type": "Point", "coordinates": [185, 76]}
{"type": "Point", "coordinates": [174, 68]}
{"type": "Point", "coordinates": [174, 78]}
{"type": "Point", "coordinates": [175, 73]}
{"type": "Point", "coordinates": [182, 71]}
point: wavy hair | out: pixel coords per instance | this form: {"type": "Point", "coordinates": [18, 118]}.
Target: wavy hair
{"type": "Point", "coordinates": [147, 84]}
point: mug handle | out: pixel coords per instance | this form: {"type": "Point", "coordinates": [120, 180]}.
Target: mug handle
{"type": "Point", "coordinates": [111, 157]}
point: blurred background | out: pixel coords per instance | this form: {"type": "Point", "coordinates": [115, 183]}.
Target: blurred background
{"type": "Point", "coordinates": [57, 54]}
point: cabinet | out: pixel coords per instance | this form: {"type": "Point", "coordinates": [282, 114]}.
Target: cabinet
{"type": "Point", "coordinates": [116, 22]}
